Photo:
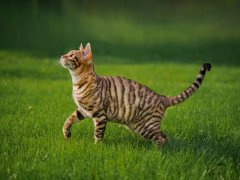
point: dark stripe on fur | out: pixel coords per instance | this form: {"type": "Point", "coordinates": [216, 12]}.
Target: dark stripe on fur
{"type": "Point", "coordinates": [79, 115]}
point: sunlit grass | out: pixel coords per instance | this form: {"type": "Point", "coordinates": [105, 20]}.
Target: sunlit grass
{"type": "Point", "coordinates": [204, 138]}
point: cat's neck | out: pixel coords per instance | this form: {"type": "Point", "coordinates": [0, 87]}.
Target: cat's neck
{"type": "Point", "coordinates": [81, 77]}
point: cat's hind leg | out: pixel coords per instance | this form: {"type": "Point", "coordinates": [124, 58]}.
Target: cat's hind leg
{"type": "Point", "coordinates": [74, 117]}
{"type": "Point", "coordinates": [160, 139]}
{"type": "Point", "coordinates": [150, 130]}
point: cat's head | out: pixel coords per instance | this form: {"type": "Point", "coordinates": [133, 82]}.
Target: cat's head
{"type": "Point", "coordinates": [76, 59]}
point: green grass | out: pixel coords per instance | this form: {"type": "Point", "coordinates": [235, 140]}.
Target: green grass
{"type": "Point", "coordinates": [204, 136]}
{"type": "Point", "coordinates": [160, 44]}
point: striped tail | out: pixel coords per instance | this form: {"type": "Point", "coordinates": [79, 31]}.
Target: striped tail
{"type": "Point", "coordinates": [173, 100]}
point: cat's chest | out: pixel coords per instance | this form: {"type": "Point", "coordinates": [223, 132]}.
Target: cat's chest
{"type": "Point", "coordinates": [85, 112]}
{"type": "Point", "coordinates": [83, 109]}
{"type": "Point", "coordinates": [82, 104]}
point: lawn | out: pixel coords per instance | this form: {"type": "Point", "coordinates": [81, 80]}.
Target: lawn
{"type": "Point", "coordinates": [162, 50]}
{"type": "Point", "coordinates": [204, 137]}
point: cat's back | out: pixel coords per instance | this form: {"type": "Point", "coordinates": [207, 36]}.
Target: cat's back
{"type": "Point", "coordinates": [124, 86]}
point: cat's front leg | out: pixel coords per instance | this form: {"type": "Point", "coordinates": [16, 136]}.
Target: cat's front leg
{"type": "Point", "coordinates": [74, 117]}
{"type": "Point", "coordinates": [99, 128]}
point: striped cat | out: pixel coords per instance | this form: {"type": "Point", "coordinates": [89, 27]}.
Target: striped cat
{"type": "Point", "coordinates": [117, 99]}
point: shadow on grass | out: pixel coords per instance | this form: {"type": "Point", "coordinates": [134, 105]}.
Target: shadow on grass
{"type": "Point", "coordinates": [202, 145]}
{"type": "Point", "coordinates": [209, 146]}
{"type": "Point", "coordinates": [33, 74]}
{"type": "Point", "coordinates": [217, 52]}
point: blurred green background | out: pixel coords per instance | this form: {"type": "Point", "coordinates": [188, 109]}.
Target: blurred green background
{"type": "Point", "coordinates": [134, 31]}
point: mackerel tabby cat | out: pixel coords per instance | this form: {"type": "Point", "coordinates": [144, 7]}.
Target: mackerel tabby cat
{"type": "Point", "coordinates": [118, 99]}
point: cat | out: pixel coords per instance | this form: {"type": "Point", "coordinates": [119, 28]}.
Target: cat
{"type": "Point", "coordinates": [118, 99]}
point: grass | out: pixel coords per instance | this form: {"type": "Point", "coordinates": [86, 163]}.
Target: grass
{"type": "Point", "coordinates": [204, 138]}
{"type": "Point", "coordinates": [161, 45]}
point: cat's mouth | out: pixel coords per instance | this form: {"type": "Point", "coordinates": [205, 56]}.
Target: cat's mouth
{"type": "Point", "coordinates": [65, 63]}
{"type": "Point", "coordinates": [69, 63]}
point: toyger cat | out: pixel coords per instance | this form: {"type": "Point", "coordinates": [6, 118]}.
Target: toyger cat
{"type": "Point", "coordinates": [118, 99]}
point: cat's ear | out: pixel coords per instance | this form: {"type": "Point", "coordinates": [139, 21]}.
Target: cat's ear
{"type": "Point", "coordinates": [87, 55]}
{"type": "Point", "coordinates": [81, 47]}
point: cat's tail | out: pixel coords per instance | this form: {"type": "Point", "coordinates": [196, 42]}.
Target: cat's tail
{"type": "Point", "coordinates": [173, 100]}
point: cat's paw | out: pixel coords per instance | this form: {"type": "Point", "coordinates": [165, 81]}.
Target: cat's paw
{"type": "Point", "coordinates": [97, 141]}
{"type": "Point", "coordinates": [161, 141]}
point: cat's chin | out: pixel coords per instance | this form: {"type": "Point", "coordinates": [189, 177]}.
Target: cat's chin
{"type": "Point", "coordinates": [64, 65]}
{"type": "Point", "coordinates": [69, 67]}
